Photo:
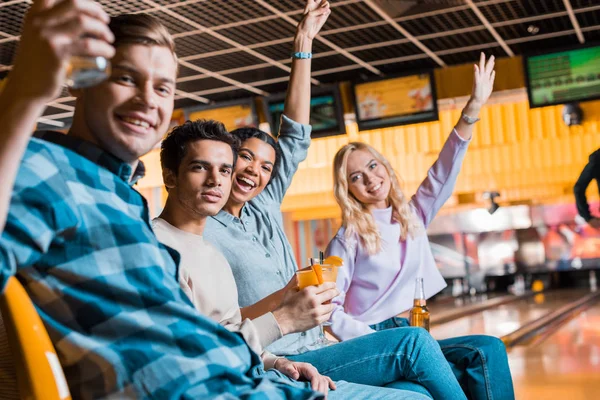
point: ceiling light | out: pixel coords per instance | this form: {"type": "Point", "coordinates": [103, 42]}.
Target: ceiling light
{"type": "Point", "coordinates": [533, 29]}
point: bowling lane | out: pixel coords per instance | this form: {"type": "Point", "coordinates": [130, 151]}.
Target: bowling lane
{"type": "Point", "coordinates": [504, 319]}
{"type": "Point", "coordinates": [446, 304]}
{"type": "Point", "coordinates": [565, 365]}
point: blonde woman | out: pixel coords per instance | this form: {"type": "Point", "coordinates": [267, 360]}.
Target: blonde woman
{"type": "Point", "coordinates": [385, 247]}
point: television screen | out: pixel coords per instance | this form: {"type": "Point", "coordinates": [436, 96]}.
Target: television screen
{"type": "Point", "coordinates": [395, 101]}
{"type": "Point", "coordinates": [233, 114]}
{"type": "Point", "coordinates": [326, 113]}
{"type": "Point", "coordinates": [563, 77]}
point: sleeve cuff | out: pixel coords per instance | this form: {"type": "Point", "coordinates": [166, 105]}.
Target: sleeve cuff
{"type": "Point", "coordinates": [268, 329]}
{"type": "Point", "coordinates": [269, 360]}
{"type": "Point", "coordinates": [289, 127]}
{"type": "Point", "coordinates": [454, 136]}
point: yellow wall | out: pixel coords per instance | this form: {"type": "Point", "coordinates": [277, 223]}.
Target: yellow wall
{"type": "Point", "coordinates": [527, 155]}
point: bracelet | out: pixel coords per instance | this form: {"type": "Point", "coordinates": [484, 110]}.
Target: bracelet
{"type": "Point", "coordinates": [469, 120]}
{"type": "Point", "coordinates": [301, 55]}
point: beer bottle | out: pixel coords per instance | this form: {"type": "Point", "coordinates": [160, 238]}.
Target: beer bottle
{"type": "Point", "coordinates": [419, 314]}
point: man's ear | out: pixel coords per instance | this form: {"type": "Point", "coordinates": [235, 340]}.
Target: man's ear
{"type": "Point", "coordinates": [169, 178]}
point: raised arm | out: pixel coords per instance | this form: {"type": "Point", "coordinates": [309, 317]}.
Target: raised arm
{"type": "Point", "coordinates": [52, 32]}
{"type": "Point", "coordinates": [294, 132]}
{"type": "Point", "coordinates": [587, 175]}
{"type": "Point", "coordinates": [437, 187]}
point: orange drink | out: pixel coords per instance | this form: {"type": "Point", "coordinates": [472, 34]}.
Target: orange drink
{"type": "Point", "coordinates": [308, 277]}
{"type": "Point", "coordinates": [314, 275]}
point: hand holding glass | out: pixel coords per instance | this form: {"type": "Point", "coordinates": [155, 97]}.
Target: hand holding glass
{"type": "Point", "coordinates": [314, 276]}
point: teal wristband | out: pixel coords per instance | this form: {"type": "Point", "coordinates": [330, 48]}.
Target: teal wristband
{"type": "Point", "coordinates": [301, 55]}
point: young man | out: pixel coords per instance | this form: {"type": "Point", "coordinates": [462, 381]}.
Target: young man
{"type": "Point", "coordinates": [77, 235]}
{"type": "Point", "coordinates": [197, 159]}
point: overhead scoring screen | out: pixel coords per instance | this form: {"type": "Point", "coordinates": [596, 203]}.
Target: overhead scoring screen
{"type": "Point", "coordinates": [396, 101]}
{"type": "Point", "coordinates": [563, 77]}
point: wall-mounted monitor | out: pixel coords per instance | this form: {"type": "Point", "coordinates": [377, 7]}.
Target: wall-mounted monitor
{"type": "Point", "coordinates": [233, 114]}
{"type": "Point", "coordinates": [326, 112]}
{"type": "Point", "coordinates": [401, 100]}
{"type": "Point", "coordinates": [563, 76]}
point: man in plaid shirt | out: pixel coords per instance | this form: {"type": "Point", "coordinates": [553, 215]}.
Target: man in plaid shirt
{"type": "Point", "coordinates": [77, 235]}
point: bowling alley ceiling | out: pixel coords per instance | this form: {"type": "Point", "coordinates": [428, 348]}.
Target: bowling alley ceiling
{"type": "Point", "coordinates": [240, 48]}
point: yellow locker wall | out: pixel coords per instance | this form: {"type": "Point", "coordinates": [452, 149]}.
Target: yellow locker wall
{"type": "Point", "coordinates": [528, 155]}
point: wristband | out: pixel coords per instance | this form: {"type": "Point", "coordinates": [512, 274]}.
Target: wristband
{"type": "Point", "coordinates": [301, 55]}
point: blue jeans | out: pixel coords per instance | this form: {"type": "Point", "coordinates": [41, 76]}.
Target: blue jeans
{"type": "Point", "coordinates": [389, 358]}
{"type": "Point", "coordinates": [346, 390]}
{"type": "Point", "coordinates": [479, 362]}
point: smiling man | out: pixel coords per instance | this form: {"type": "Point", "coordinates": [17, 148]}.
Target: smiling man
{"type": "Point", "coordinates": [77, 235]}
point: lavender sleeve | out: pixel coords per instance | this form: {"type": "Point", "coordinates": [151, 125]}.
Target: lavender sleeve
{"type": "Point", "coordinates": [437, 187]}
{"type": "Point", "coordinates": [344, 326]}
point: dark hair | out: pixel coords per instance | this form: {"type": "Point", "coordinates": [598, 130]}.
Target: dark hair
{"type": "Point", "coordinates": [174, 147]}
{"type": "Point", "coordinates": [246, 133]}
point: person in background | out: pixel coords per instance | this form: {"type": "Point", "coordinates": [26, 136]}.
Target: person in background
{"type": "Point", "coordinates": [197, 160]}
{"type": "Point", "coordinates": [384, 245]}
{"type": "Point", "coordinates": [590, 172]}
{"type": "Point", "coordinates": [77, 235]}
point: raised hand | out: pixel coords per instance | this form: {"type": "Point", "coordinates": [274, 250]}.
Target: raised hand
{"type": "Point", "coordinates": [53, 31]}
{"type": "Point", "coordinates": [316, 13]}
{"type": "Point", "coordinates": [483, 80]}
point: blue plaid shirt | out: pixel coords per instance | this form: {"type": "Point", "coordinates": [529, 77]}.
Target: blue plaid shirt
{"type": "Point", "coordinates": [79, 239]}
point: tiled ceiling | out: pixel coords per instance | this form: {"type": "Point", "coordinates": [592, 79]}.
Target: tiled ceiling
{"type": "Point", "coordinates": [240, 48]}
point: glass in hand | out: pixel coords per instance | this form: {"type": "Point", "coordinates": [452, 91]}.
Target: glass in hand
{"type": "Point", "coordinates": [314, 276]}
{"type": "Point", "coordinates": [85, 72]}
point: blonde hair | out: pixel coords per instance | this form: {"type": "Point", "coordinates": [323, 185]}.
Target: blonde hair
{"type": "Point", "coordinates": [356, 217]}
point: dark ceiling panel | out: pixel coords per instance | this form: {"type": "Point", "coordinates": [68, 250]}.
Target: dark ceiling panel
{"type": "Point", "coordinates": [11, 18]}
{"type": "Point", "coordinates": [365, 36]}
{"type": "Point", "coordinates": [173, 24]}
{"type": "Point", "coordinates": [544, 27]}
{"type": "Point", "coordinates": [259, 32]}
{"type": "Point", "coordinates": [473, 56]}
{"type": "Point", "coordinates": [258, 75]}
{"type": "Point", "coordinates": [397, 68]}
{"type": "Point", "coordinates": [124, 7]}
{"type": "Point", "coordinates": [198, 44]}
{"type": "Point", "coordinates": [7, 52]}
{"type": "Point", "coordinates": [227, 61]}
{"type": "Point", "coordinates": [545, 44]}
{"type": "Point", "coordinates": [383, 53]}
{"type": "Point", "coordinates": [330, 62]}
{"type": "Point", "coordinates": [350, 15]}
{"type": "Point", "coordinates": [201, 84]}
{"type": "Point", "coordinates": [219, 12]}
{"type": "Point", "coordinates": [447, 27]}
{"type": "Point", "coordinates": [457, 41]}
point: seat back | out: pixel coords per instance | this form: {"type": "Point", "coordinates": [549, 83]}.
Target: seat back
{"type": "Point", "coordinates": [39, 373]}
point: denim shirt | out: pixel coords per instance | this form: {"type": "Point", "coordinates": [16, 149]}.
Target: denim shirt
{"type": "Point", "coordinates": [255, 245]}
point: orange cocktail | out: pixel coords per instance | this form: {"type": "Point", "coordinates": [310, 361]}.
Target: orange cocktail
{"type": "Point", "coordinates": [308, 277]}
